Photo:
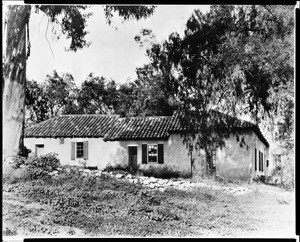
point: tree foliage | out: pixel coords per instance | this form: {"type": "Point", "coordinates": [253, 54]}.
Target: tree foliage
{"type": "Point", "coordinates": [238, 60]}
{"type": "Point", "coordinates": [56, 95]}
{"type": "Point", "coordinates": [72, 23]}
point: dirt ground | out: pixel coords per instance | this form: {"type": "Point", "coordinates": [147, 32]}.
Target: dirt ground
{"type": "Point", "coordinates": [271, 209]}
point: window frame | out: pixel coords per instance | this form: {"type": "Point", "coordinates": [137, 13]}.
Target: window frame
{"type": "Point", "coordinates": [76, 150]}
{"type": "Point", "coordinates": [155, 155]}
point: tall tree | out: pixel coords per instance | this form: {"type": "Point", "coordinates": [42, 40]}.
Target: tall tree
{"type": "Point", "coordinates": [35, 103]}
{"type": "Point", "coordinates": [93, 97]}
{"type": "Point", "coordinates": [72, 21]}
{"type": "Point", "coordinates": [231, 59]}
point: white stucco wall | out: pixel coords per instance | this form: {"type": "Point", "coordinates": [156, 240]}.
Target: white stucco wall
{"type": "Point", "coordinates": [102, 153]}
{"type": "Point", "coordinates": [236, 162]}
{"type": "Point", "coordinates": [99, 152]}
{"type": "Point", "coordinates": [232, 161]}
{"type": "Point", "coordinates": [175, 153]}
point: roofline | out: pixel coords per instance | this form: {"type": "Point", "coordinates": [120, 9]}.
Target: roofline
{"type": "Point", "coordinates": [63, 136]}
{"type": "Point", "coordinates": [137, 139]}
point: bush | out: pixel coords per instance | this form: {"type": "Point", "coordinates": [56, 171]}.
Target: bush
{"type": "Point", "coordinates": [47, 162]}
{"type": "Point", "coordinates": [32, 168]}
{"type": "Point", "coordinates": [165, 172]}
{"type": "Point", "coordinates": [120, 168]}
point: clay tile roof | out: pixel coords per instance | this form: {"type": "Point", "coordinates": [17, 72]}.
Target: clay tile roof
{"type": "Point", "coordinates": [111, 127]}
{"type": "Point", "coordinates": [72, 126]}
{"type": "Point", "coordinates": [139, 128]}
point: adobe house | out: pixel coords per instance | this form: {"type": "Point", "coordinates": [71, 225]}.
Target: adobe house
{"type": "Point", "coordinates": [99, 140]}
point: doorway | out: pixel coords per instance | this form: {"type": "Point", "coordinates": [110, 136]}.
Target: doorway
{"type": "Point", "coordinates": [132, 155]}
{"type": "Point", "coordinates": [39, 150]}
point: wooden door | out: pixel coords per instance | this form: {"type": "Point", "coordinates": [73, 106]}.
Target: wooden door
{"type": "Point", "coordinates": [132, 155]}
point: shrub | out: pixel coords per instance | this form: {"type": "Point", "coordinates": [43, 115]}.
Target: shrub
{"type": "Point", "coordinates": [165, 172]}
{"type": "Point", "coordinates": [32, 168]}
{"type": "Point", "coordinates": [120, 168]}
{"type": "Point", "coordinates": [47, 162]}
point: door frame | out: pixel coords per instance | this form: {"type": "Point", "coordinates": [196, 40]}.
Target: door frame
{"type": "Point", "coordinates": [130, 147]}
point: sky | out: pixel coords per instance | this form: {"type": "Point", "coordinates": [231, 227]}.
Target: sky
{"type": "Point", "coordinates": [113, 52]}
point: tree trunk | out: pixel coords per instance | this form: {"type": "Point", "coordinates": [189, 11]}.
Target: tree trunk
{"type": "Point", "coordinates": [14, 77]}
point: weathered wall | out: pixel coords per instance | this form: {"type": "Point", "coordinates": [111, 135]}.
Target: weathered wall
{"type": "Point", "coordinates": [236, 160]}
{"type": "Point", "coordinates": [233, 161]}
{"type": "Point", "coordinates": [99, 152]}
{"type": "Point", "coordinates": [175, 153]}
{"type": "Point", "coordinates": [262, 148]}
{"type": "Point", "coordinates": [102, 153]}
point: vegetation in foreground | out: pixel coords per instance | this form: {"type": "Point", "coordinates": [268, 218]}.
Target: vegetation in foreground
{"type": "Point", "coordinates": [34, 203]}
{"type": "Point", "coordinates": [104, 206]}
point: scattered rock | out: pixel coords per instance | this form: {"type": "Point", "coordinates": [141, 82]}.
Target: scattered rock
{"type": "Point", "coordinates": [104, 173]}
{"type": "Point", "coordinates": [153, 179]}
{"type": "Point", "coordinates": [119, 176]}
{"type": "Point", "coordinates": [146, 182]}
{"type": "Point", "coordinates": [135, 181]}
{"type": "Point", "coordinates": [161, 189]}
{"type": "Point", "coordinates": [152, 185]}
{"type": "Point", "coordinates": [130, 180]}
{"type": "Point", "coordinates": [129, 176]}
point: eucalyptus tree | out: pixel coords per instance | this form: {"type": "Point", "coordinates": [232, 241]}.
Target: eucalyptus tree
{"type": "Point", "coordinates": [72, 23]}
{"type": "Point", "coordinates": [234, 59]}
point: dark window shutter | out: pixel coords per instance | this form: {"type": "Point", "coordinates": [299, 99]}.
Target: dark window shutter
{"type": "Point", "coordinates": [255, 159]}
{"type": "Point", "coordinates": [259, 161]}
{"type": "Point", "coordinates": [160, 153]}
{"type": "Point", "coordinates": [262, 162]}
{"type": "Point", "coordinates": [144, 154]}
{"type": "Point", "coordinates": [85, 150]}
{"type": "Point", "coordinates": [72, 150]}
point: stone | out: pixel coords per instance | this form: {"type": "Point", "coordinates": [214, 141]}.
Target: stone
{"type": "Point", "coordinates": [135, 181]}
{"type": "Point", "coordinates": [161, 189]}
{"type": "Point", "coordinates": [152, 185]}
{"type": "Point", "coordinates": [98, 173]}
{"type": "Point", "coordinates": [130, 180]}
{"type": "Point", "coordinates": [152, 179]}
{"type": "Point", "coordinates": [192, 184]}
{"type": "Point", "coordinates": [146, 182]}
{"type": "Point", "coordinates": [104, 173]}
{"type": "Point", "coordinates": [129, 176]}
{"type": "Point", "coordinates": [199, 184]}
{"type": "Point", "coordinates": [55, 172]}
{"type": "Point", "coordinates": [162, 181]}
{"type": "Point", "coordinates": [87, 171]}
{"type": "Point", "coordinates": [119, 176]}
{"type": "Point", "coordinates": [143, 178]}
{"type": "Point", "coordinates": [181, 187]}
{"type": "Point", "coordinates": [213, 187]}
{"type": "Point", "coordinates": [59, 168]}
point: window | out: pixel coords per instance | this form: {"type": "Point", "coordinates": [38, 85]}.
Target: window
{"type": "Point", "coordinates": [211, 159]}
{"type": "Point", "coordinates": [79, 149]}
{"type": "Point", "coordinates": [255, 159]}
{"type": "Point", "coordinates": [261, 161]}
{"type": "Point", "coordinates": [152, 153]}
{"type": "Point", "coordinates": [39, 149]}
{"type": "Point", "coordinates": [277, 160]}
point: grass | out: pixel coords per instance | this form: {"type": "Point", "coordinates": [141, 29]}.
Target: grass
{"type": "Point", "coordinates": [164, 172]}
{"type": "Point", "coordinates": [73, 205]}
{"type": "Point", "coordinates": [105, 207]}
